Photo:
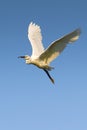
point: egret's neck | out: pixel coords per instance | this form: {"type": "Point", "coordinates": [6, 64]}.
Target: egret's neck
{"type": "Point", "coordinates": [28, 61]}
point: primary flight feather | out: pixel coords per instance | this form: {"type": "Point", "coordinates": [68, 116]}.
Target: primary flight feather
{"type": "Point", "coordinates": [35, 37]}
{"type": "Point", "coordinates": [41, 57]}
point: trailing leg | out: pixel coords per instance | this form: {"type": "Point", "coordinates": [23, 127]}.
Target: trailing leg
{"type": "Point", "coordinates": [52, 80]}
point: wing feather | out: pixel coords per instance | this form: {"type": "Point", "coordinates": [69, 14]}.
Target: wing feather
{"type": "Point", "coordinates": [35, 37]}
{"type": "Point", "coordinates": [58, 46]}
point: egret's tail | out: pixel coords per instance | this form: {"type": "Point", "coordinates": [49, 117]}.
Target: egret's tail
{"type": "Point", "coordinates": [52, 80]}
{"type": "Point", "coordinates": [49, 68]}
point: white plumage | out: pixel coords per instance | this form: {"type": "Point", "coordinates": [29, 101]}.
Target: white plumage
{"type": "Point", "coordinates": [41, 57]}
{"type": "Point", "coordinates": [35, 37]}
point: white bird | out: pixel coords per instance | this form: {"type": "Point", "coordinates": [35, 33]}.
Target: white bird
{"type": "Point", "coordinates": [41, 57]}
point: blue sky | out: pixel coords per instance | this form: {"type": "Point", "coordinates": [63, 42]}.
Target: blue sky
{"type": "Point", "coordinates": [28, 100]}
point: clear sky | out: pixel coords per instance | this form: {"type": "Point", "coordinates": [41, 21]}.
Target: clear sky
{"type": "Point", "coordinates": [28, 100]}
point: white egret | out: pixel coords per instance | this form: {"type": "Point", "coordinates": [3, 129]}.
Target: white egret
{"type": "Point", "coordinates": [41, 57]}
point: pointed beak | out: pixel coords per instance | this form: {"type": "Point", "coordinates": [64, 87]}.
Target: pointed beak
{"type": "Point", "coordinates": [21, 56]}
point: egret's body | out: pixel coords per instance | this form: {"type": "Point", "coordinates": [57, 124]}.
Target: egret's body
{"type": "Point", "coordinates": [41, 57]}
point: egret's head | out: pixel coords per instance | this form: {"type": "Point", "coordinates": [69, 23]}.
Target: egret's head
{"type": "Point", "coordinates": [27, 58]}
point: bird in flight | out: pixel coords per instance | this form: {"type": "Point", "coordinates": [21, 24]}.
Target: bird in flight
{"type": "Point", "coordinates": [43, 57]}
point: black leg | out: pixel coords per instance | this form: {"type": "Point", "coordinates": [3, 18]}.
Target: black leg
{"type": "Point", "coordinates": [52, 80]}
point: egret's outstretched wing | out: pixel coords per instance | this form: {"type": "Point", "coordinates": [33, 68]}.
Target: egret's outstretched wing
{"type": "Point", "coordinates": [58, 46]}
{"type": "Point", "coordinates": [35, 37]}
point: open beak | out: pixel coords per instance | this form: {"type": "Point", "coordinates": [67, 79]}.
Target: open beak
{"type": "Point", "coordinates": [21, 57]}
